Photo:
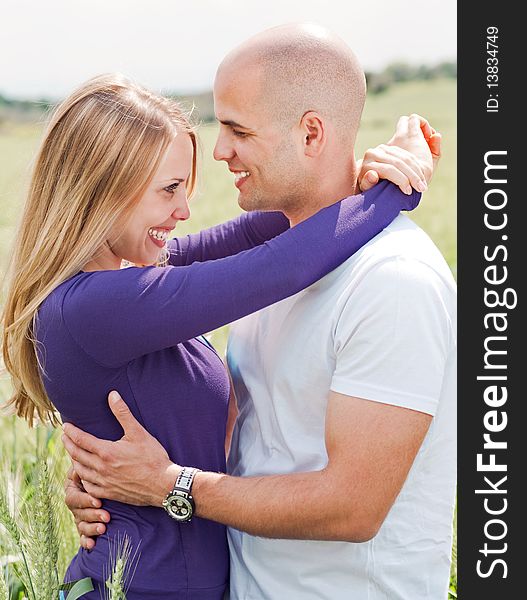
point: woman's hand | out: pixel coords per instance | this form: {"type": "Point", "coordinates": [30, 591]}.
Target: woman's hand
{"type": "Point", "coordinates": [407, 160]}
{"type": "Point", "coordinates": [135, 469]}
{"type": "Point", "coordinates": [89, 517]}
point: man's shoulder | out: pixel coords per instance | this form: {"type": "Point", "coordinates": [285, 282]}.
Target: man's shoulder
{"type": "Point", "coordinates": [403, 241]}
{"type": "Point", "coordinates": [402, 238]}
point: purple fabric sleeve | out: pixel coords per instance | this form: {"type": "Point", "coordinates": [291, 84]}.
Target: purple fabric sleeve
{"type": "Point", "coordinates": [116, 316]}
{"type": "Point", "coordinates": [245, 231]}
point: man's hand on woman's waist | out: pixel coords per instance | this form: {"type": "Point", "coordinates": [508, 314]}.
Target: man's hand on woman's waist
{"type": "Point", "coordinates": [135, 470]}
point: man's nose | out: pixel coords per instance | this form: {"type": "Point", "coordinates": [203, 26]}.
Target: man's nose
{"type": "Point", "coordinates": [223, 149]}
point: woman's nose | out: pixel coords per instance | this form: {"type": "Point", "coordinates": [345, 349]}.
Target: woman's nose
{"type": "Point", "coordinates": [182, 210]}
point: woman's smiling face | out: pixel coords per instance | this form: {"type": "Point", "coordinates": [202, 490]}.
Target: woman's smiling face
{"type": "Point", "coordinates": [141, 237]}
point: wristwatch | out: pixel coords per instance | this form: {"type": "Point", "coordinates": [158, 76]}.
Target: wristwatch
{"type": "Point", "coordinates": [179, 503]}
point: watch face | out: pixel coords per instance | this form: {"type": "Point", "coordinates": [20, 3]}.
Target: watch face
{"type": "Point", "coordinates": [179, 507]}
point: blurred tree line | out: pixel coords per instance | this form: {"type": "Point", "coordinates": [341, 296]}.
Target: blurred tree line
{"type": "Point", "coordinates": [400, 71]}
{"type": "Point", "coordinates": [12, 109]}
{"type": "Point", "coordinates": [202, 104]}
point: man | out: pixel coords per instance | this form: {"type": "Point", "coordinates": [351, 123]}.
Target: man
{"type": "Point", "coordinates": [342, 460]}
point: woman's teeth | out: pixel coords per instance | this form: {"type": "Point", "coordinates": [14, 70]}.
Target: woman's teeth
{"type": "Point", "coordinates": [240, 175]}
{"type": "Point", "coordinates": [158, 234]}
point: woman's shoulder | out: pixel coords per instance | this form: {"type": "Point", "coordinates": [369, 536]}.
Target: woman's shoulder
{"type": "Point", "coordinates": [99, 294]}
{"type": "Point", "coordinates": [54, 299]}
{"type": "Point", "coordinates": [91, 284]}
{"type": "Point", "coordinates": [72, 291]}
{"type": "Point", "coordinates": [114, 316]}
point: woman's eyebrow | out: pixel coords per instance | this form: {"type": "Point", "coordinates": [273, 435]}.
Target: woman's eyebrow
{"type": "Point", "coordinates": [170, 179]}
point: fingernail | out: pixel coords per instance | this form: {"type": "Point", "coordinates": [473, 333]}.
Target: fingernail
{"type": "Point", "coordinates": [114, 397]}
{"type": "Point", "coordinates": [103, 518]}
{"type": "Point", "coordinates": [408, 190]}
{"type": "Point", "coordinates": [95, 503]}
{"type": "Point", "coordinates": [100, 529]}
{"type": "Point", "coordinates": [421, 186]}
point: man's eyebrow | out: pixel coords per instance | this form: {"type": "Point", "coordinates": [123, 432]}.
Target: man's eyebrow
{"type": "Point", "coordinates": [232, 124]}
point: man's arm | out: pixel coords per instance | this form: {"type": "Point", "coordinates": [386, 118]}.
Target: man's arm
{"type": "Point", "coordinates": [370, 445]}
{"type": "Point", "coordinates": [90, 518]}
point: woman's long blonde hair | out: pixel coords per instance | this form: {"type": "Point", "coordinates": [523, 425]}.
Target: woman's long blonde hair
{"type": "Point", "coordinates": [100, 151]}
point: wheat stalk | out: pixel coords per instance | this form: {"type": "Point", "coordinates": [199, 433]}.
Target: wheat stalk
{"type": "Point", "coordinates": [30, 522]}
{"type": "Point", "coordinates": [122, 563]}
{"type": "Point", "coordinates": [14, 533]}
{"type": "Point", "coordinates": [59, 464]}
{"type": "Point", "coordinates": [43, 537]}
{"type": "Point", "coordinates": [32, 513]}
{"type": "Point", "coordinates": [4, 591]}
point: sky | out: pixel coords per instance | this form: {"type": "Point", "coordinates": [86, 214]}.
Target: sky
{"type": "Point", "coordinates": [47, 47]}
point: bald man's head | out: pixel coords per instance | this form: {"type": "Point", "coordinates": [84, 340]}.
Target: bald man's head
{"type": "Point", "coordinates": [289, 102]}
{"type": "Point", "coordinates": [302, 68]}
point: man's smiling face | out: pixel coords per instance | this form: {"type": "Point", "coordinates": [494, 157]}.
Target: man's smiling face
{"type": "Point", "coordinates": [265, 158]}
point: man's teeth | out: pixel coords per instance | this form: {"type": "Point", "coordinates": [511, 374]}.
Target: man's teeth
{"type": "Point", "coordinates": [240, 175]}
{"type": "Point", "coordinates": [158, 234]}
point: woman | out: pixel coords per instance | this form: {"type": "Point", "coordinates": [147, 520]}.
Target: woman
{"type": "Point", "coordinates": [111, 180]}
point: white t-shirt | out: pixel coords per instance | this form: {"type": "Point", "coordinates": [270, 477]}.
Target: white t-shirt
{"type": "Point", "coordinates": [380, 327]}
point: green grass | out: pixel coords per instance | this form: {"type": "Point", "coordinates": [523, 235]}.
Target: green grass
{"type": "Point", "coordinates": [436, 100]}
{"type": "Point", "coordinates": [18, 145]}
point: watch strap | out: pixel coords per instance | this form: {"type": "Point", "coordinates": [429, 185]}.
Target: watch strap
{"type": "Point", "coordinates": [185, 479]}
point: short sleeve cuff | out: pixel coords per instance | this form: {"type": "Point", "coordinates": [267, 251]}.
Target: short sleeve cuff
{"type": "Point", "coordinates": [375, 393]}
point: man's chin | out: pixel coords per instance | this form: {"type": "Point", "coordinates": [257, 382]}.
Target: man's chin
{"type": "Point", "coordinates": [249, 203]}
{"type": "Point", "coordinates": [244, 203]}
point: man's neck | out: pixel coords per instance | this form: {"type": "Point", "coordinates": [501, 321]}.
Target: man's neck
{"type": "Point", "coordinates": [348, 186]}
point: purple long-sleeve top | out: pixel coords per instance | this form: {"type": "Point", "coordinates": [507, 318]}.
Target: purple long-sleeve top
{"type": "Point", "coordinates": [137, 330]}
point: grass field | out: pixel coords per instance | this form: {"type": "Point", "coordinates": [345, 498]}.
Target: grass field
{"type": "Point", "coordinates": [436, 100]}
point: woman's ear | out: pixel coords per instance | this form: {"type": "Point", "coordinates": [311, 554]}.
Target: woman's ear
{"type": "Point", "coordinates": [314, 134]}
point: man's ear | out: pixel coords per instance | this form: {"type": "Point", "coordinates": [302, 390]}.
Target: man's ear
{"type": "Point", "coordinates": [314, 133]}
